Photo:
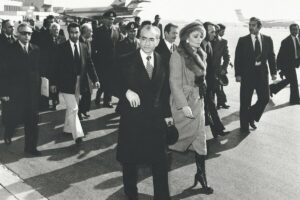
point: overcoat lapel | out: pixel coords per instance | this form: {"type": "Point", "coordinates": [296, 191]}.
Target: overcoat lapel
{"type": "Point", "coordinates": [156, 70]}
{"type": "Point", "coordinates": [141, 66]}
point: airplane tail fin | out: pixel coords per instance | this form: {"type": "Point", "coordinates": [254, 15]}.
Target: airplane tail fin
{"type": "Point", "coordinates": [240, 15]}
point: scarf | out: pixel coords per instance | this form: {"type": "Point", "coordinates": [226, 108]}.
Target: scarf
{"type": "Point", "coordinates": [194, 60]}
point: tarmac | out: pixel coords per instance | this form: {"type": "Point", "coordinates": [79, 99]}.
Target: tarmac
{"type": "Point", "coordinates": [263, 165]}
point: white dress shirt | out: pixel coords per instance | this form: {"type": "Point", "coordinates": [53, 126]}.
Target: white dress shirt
{"type": "Point", "coordinates": [73, 47]}
{"type": "Point", "coordinates": [23, 45]}
{"type": "Point", "coordinates": [144, 58]}
{"type": "Point", "coordinates": [169, 45]}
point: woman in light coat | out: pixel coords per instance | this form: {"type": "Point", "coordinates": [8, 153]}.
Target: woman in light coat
{"type": "Point", "coordinates": [187, 83]}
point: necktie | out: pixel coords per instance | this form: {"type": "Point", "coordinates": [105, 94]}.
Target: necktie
{"type": "Point", "coordinates": [25, 50]}
{"type": "Point", "coordinates": [77, 60]}
{"type": "Point", "coordinates": [208, 50]}
{"type": "Point", "coordinates": [10, 40]}
{"type": "Point", "coordinates": [172, 48]}
{"type": "Point", "coordinates": [149, 67]}
{"type": "Point", "coordinates": [297, 48]}
{"type": "Point", "coordinates": [257, 50]}
{"type": "Point", "coordinates": [55, 40]}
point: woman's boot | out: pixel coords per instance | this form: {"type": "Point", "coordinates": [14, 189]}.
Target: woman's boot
{"type": "Point", "coordinates": [200, 176]}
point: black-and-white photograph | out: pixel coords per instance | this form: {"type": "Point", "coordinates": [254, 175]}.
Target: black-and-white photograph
{"type": "Point", "coordinates": [149, 100]}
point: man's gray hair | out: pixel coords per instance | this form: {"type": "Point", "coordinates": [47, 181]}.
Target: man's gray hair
{"type": "Point", "coordinates": [22, 25]}
{"type": "Point", "coordinates": [152, 28]}
{"type": "Point", "coordinates": [55, 25]}
{"type": "Point", "coordinates": [86, 26]}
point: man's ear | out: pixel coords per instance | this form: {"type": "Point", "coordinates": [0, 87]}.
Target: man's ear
{"type": "Point", "coordinates": [157, 42]}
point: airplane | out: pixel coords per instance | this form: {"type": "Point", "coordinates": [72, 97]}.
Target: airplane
{"type": "Point", "coordinates": [123, 9]}
{"type": "Point", "coordinates": [285, 23]}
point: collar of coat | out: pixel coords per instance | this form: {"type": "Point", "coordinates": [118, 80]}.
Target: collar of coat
{"type": "Point", "coordinates": [194, 60]}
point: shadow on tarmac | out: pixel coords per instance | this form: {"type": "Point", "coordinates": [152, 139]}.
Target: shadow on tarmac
{"type": "Point", "coordinates": [51, 183]}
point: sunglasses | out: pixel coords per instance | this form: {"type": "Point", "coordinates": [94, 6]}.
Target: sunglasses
{"type": "Point", "coordinates": [26, 33]}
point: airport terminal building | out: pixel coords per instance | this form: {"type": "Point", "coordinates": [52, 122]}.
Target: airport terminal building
{"type": "Point", "coordinates": [19, 10]}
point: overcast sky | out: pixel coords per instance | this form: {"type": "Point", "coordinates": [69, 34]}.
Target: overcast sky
{"type": "Point", "coordinates": [205, 9]}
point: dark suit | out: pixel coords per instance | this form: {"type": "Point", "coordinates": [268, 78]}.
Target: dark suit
{"type": "Point", "coordinates": [253, 77]}
{"type": "Point", "coordinates": [39, 35]}
{"type": "Point", "coordinates": [211, 113]}
{"type": "Point", "coordinates": [5, 44]}
{"type": "Point", "coordinates": [126, 46]}
{"type": "Point", "coordinates": [65, 74]}
{"type": "Point", "coordinates": [165, 53]}
{"type": "Point", "coordinates": [24, 91]}
{"type": "Point", "coordinates": [86, 95]}
{"type": "Point", "coordinates": [287, 63]}
{"type": "Point", "coordinates": [123, 48]}
{"type": "Point", "coordinates": [142, 129]}
{"type": "Point", "coordinates": [48, 46]}
{"type": "Point", "coordinates": [103, 51]}
{"type": "Point", "coordinates": [220, 53]}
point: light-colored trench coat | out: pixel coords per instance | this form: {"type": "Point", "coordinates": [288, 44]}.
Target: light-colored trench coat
{"type": "Point", "coordinates": [184, 92]}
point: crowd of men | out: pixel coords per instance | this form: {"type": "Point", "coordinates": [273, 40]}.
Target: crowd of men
{"type": "Point", "coordinates": [90, 58]}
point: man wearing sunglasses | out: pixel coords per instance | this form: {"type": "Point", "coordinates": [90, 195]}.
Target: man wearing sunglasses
{"type": "Point", "coordinates": [24, 89]}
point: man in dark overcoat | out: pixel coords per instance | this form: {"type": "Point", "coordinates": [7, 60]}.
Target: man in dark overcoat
{"type": "Point", "coordinates": [104, 56]}
{"type": "Point", "coordinates": [24, 88]}
{"type": "Point", "coordinates": [143, 117]}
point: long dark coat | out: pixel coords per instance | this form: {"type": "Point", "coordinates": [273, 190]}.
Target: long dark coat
{"type": "Point", "coordinates": [4, 46]}
{"type": "Point", "coordinates": [142, 129]}
{"type": "Point", "coordinates": [104, 54]}
{"type": "Point", "coordinates": [24, 83]}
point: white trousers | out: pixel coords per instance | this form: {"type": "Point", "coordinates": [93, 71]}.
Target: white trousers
{"type": "Point", "coordinates": [72, 122]}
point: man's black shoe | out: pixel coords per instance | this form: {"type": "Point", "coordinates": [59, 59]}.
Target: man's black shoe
{"type": "Point", "coordinates": [223, 133]}
{"type": "Point", "coordinates": [252, 124]}
{"type": "Point", "coordinates": [225, 106]}
{"type": "Point", "coordinates": [33, 152]}
{"type": "Point", "coordinates": [86, 115]}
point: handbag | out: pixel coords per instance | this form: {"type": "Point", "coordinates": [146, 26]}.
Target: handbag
{"type": "Point", "coordinates": [172, 135]}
